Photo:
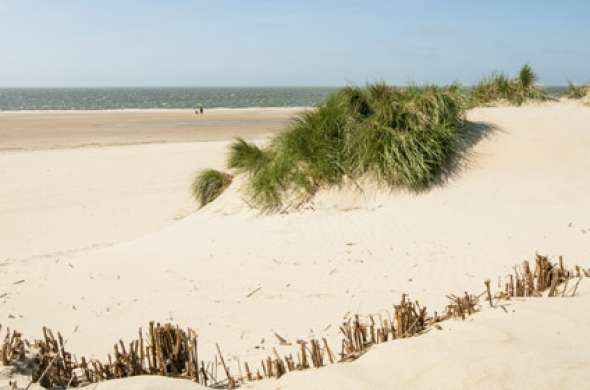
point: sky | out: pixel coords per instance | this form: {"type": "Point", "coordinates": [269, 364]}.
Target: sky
{"type": "Point", "coordinates": [288, 43]}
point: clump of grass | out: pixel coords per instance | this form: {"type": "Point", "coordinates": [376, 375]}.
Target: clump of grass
{"type": "Point", "coordinates": [209, 184]}
{"type": "Point", "coordinates": [402, 137]}
{"type": "Point", "coordinates": [527, 78]}
{"type": "Point", "coordinates": [500, 87]}
{"type": "Point", "coordinates": [577, 92]}
{"type": "Point", "coordinates": [246, 157]}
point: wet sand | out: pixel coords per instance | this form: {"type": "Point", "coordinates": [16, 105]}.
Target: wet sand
{"type": "Point", "coordinates": [37, 130]}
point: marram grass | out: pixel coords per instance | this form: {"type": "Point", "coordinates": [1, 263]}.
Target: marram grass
{"type": "Point", "coordinates": [500, 87]}
{"type": "Point", "coordinates": [209, 184]}
{"type": "Point", "coordinates": [577, 92]}
{"type": "Point", "coordinates": [402, 137]}
{"type": "Point", "coordinates": [246, 157]}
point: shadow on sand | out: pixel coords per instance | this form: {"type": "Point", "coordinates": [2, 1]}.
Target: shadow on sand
{"type": "Point", "coordinates": [469, 136]}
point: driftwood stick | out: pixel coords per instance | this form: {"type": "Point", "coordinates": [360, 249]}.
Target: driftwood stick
{"type": "Point", "coordinates": [554, 281]}
{"type": "Point", "coordinates": [328, 350]}
{"type": "Point", "coordinates": [576, 286]}
{"type": "Point", "coordinates": [489, 292]}
{"type": "Point", "coordinates": [253, 292]}
{"type": "Point", "coordinates": [565, 287]}
{"type": "Point", "coordinates": [231, 382]}
{"type": "Point", "coordinates": [248, 373]}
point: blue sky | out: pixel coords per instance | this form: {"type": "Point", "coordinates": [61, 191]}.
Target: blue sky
{"type": "Point", "coordinates": [277, 43]}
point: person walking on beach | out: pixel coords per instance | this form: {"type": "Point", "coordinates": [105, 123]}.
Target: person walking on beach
{"type": "Point", "coordinates": [201, 109]}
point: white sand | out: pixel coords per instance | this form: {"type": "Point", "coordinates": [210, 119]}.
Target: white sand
{"type": "Point", "coordinates": [538, 344]}
{"type": "Point", "coordinates": [59, 202]}
{"type": "Point", "coordinates": [525, 189]}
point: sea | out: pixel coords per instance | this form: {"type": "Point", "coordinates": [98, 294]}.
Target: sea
{"type": "Point", "coordinates": [30, 99]}
{"type": "Point", "coordinates": [18, 99]}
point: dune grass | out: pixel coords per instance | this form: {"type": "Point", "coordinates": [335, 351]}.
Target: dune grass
{"type": "Point", "coordinates": [209, 184]}
{"type": "Point", "coordinates": [500, 87]}
{"type": "Point", "coordinates": [577, 92]}
{"type": "Point", "coordinates": [402, 137]}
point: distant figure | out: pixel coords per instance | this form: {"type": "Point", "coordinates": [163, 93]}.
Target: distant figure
{"type": "Point", "coordinates": [201, 110]}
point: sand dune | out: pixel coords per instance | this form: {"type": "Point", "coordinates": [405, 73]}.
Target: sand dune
{"type": "Point", "coordinates": [537, 344]}
{"type": "Point", "coordinates": [524, 188]}
{"type": "Point", "coordinates": [531, 345]}
{"type": "Point", "coordinates": [66, 201]}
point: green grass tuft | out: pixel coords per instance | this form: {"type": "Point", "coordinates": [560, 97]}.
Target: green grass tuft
{"type": "Point", "coordinates": [209, 184]}
{"type": "Point", "coordinates": [577, 92]}
{"type": "Point", "coordinates": [246, 157]}
{"type": "Point", "coordinates": [403, 137]}
{"type": "Point", "coordinates": [527, 77]}
{"type": "Point", "coordinates": [500, 87]}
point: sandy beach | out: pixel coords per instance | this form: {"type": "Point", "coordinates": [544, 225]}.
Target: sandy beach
{"type": "Point", "coordinates": [100, 232]}
{"type": "Point", "coordinates": [39, 130]}
{"type": "Point", "coordinates": [109, 189]}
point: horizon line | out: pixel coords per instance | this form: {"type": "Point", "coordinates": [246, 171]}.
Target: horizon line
{"type": "Point", "coordinates": [240, 86]}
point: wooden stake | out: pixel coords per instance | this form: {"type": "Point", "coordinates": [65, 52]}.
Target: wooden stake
{"type": "Point", "coordinates": [328, 350]}
{"type": "Point", "coordinates": [230, 380]}
{"type": "Point", "coordinates": [489, 293]}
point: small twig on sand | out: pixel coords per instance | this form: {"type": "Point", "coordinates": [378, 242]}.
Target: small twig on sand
{"type": "Point", "coordinates": [253, 292]}
{"type": "Point", "coordinates": [489, 293]}
{"type": "Point", "coordinates": [576, 286]}
{"type": "Point", "coordinates": [281, 339]}
{"type": "Point", "coordinates": [70, 381]}
{"type": "Point", "coordinates": [564, 288]}
{"type": "Point", "coordinates": [229, 377]}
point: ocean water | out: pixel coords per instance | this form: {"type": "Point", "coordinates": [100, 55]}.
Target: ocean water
{"type": "Point", "coordinates": [16, 99]}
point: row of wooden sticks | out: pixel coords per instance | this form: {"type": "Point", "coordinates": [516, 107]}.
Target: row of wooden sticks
{"type": "Point", "coordinates": [171, 351]}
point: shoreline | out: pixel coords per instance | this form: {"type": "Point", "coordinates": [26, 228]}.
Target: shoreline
{"type": "Point", "coordinates": [91, 146]}
{"type": "Point", "coordinates": [157, 110]}
{"type": "Point", "coordinates": [47, 130]}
